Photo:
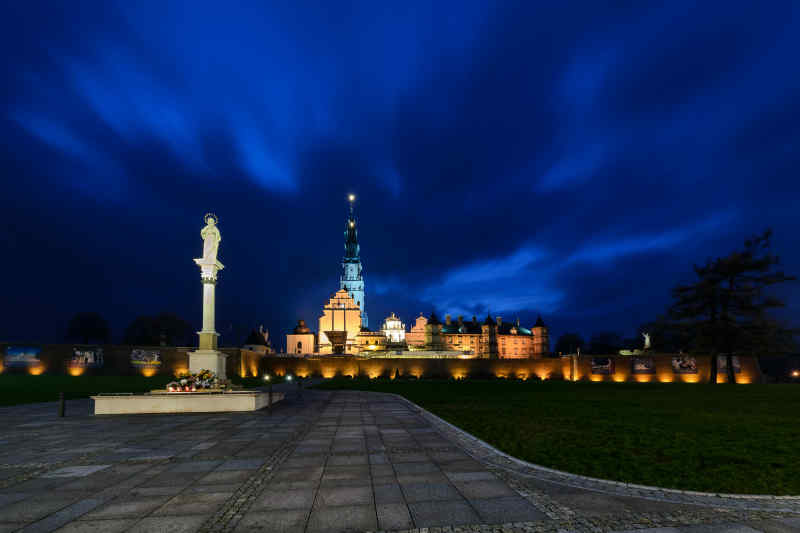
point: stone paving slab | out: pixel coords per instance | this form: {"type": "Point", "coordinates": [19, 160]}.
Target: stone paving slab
{"type": "Point", "coordinates": [323, 462]}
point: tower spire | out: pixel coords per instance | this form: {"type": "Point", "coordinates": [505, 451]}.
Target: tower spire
{"type": "Point", "coordinates": [351, 280]}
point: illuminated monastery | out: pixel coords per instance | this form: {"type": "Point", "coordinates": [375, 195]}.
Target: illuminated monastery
{"type": "Point", "coordinates": [343, 327]}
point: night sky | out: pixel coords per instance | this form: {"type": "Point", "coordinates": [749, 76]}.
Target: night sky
{"type": "Point", "coordinates": [568, 159]}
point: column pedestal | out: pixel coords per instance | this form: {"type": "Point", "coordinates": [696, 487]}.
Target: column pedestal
{"type": "Point", "coordinates": [207, 357]}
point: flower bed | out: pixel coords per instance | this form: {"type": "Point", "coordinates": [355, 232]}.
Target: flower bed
{"type": "Point", "coordinates": [204, 380]}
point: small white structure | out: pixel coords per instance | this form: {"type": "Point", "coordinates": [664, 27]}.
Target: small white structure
{"type": "Point", "coordinates": [301, 340]}
{"type": "Point", "coordinates": [207, 357]}
{"type": "Point", "coordinates": [394, 330]}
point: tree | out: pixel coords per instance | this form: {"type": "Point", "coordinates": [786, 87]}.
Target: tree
{"type": "Point", "coordinates": [569, 343]}
{"type": "Point", "coordinates": [165, 328]}
{"type": "Point", "coordinates": [606, 342]}
{"type": "Point", "coordinates": [256, 338]}
{"type": "Point", "coordinates": [85, 327]}
{"type": "Point", "coordinates": [727, 309]}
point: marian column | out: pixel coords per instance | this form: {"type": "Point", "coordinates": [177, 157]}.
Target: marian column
{"type": "Point", "coordinates": [207, 357]}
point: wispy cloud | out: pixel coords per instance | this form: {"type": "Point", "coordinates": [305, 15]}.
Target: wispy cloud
{"type": "Point", "coordinates": [610, 250]}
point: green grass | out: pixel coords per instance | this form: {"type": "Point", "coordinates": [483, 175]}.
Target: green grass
{"type": "Point", "coordinates": [23, 388]}
{"type": "Point", "coordinates": [723, 438]}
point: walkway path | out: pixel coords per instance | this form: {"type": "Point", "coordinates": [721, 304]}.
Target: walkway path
{"type": "Point", "coordinates": [343, 461]}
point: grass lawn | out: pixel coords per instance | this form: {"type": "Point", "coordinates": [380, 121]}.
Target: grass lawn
{"type": "Point", "coordinates": [723, 438]}
{"type": "Point", "coordinates": [23, 388]}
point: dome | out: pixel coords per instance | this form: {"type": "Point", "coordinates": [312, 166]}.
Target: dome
{"type": "Point", "coordinates": [301, 327]}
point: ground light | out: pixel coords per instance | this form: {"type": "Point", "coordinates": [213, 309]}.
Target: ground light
{"type": "Point", "coordinates": [796, 373]}
{"type": "Point", "coordinates": [266, 377]}
{"type": "Point", "coordinates": [289, 377]}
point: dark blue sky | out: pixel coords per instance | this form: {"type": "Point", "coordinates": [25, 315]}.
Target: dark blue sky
{"type": "Point", "coordinates": [572, 159]}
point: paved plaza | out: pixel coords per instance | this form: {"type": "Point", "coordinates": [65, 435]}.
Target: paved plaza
{"type": "Point", "coordinates": [319, 462]}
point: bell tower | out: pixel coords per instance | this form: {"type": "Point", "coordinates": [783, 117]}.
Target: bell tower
{"type": "Point", "coordinates": [352, 279]}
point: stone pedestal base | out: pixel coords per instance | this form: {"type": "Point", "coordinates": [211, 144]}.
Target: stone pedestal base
{"type": "Point", "coordinates": [186, 402]}
{"type": "Point", "coordinates": [208, 360]}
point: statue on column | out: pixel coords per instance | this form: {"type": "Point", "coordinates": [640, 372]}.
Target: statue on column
{"type": "Point", "coordinates": [646, 337]}
{"type": "Point", "coordinates": [211, 237]}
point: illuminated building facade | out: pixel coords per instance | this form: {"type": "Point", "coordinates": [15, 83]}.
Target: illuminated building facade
{"type": "Point", "coordinates": [301, 341]}
{"type": "Point", "coordinates": [352, 279]}
{"type": "Point", "coordinates": [394, 330]}
{"type": "Point", "coordinates": [490, 339]}
{"type": "Point", "coordinates": [339, 325]}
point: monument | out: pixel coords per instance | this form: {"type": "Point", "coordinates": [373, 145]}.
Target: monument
{"type": "Point", "coordinates": [204, 399]}
{"type": "Point", "coordinates": [207, 357]}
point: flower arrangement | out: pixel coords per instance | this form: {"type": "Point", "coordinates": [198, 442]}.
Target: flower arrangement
{"type": "Point", "coordinates": [205, 379]}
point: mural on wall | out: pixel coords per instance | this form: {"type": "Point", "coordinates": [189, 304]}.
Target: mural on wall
{"type": "Point", "coordinates": [91, 357]}
{"type": "Point", "coordinates": [684, 364]}
{"type": "Point", "coordinates": [722, 364]}
{"type": "Point", "coordinates": [22, 356]}
{"type": "Point", "coordinates": [146, 358]}
{"type": "Point", "coordinates": [602, 365]}
{"type": "Point", "coordinates": [643, 365]}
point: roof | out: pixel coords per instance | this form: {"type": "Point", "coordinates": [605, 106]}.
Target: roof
{"type": "Point", "coordinates": [434, 320]}
{"type": "Point", "coordinates": [466, 328]}
{"type": "Point", "coordinates": [539, 322]}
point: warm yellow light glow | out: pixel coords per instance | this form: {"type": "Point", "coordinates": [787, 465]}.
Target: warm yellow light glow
{"type": "Point", "coordinates": [644, 378]}
{"type": "Point", "coordinates": [75, 370]}
{"type": "Point", "coordinates": [620, 378]}
{"type": "Point", "coordinates": [795, 373]}
{"type": "Point", "coordinates": [352, 197]}
{"type": "Point", "coordinates": [36, 370]}
{"type": "Point", "coordinates": [148, 372]}
{"type": "Point", "coordinates": [596, 377]}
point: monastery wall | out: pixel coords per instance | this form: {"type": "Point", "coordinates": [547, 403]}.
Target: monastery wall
{"type": "Point", "coordinates": [118, 360]}
{"type": "Point", "coordinates": [572, 368]}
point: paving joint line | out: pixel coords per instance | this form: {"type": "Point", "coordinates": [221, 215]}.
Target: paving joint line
{"type": "Point", "coordinates": [228, 516]}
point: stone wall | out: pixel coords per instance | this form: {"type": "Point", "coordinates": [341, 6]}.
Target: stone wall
{"type": "Point", "coordinates": [572, 368]}
{"type": "Point", "coordinates": [55, 359]}
{"type": "Point", "coordinates": [750, 371]}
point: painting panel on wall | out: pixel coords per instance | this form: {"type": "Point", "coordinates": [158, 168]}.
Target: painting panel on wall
{"type": "Point", "coordinates": [148, 358]}
{"type": "Point", "coordinates": [22, 356]}
{"type": "Point", "coordinates": [87, 357]}
{"type": "Point", "coordinates": [684, 364]}
{"type": "Point", "coordinates": [602, 365]}
{"type": "Point", "coordinates": [643, 365]}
